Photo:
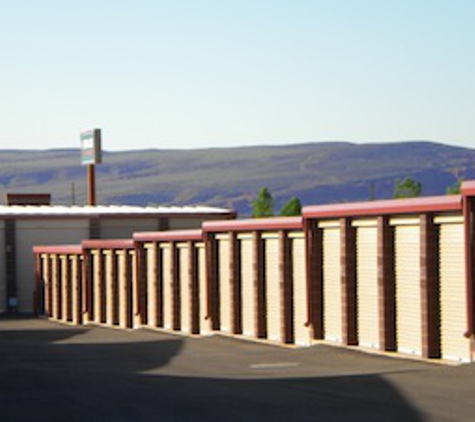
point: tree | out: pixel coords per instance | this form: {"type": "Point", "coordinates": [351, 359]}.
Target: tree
{"type": "Point", "coordinates": [292, 207]}
{"type": "Point", "coordinates": [263, 205]}
{"type": "Point", "coordinates": [455, 188]}
{"type": "Point", "coordinates": [407, 188]}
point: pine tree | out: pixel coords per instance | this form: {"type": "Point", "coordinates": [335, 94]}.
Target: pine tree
{"type": "Point", "coordinates": [263, 205]}
{"type": "Point", "coordinates": [407, 188]}
{"type": "Point", "coordinates": [293, 207]}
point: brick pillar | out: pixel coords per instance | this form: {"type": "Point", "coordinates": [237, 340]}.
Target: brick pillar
{"type": "Point", "coordinates": [140, 289]}
{"type": "Point", "coordinates": [87, 291]}
{"type": "Point", "coordinates": [195, 288]}
{"type": "Point", "coordinates": [128, 278]}
{"type": "Point", "coordinates": [101, 289]}
{"type": "Point", "coordinates": [235, 283]}
{"type": "Point", "coordinates": [212, 266]}
{"type": "Point", "coordinates": [259, 285]}
{"type": "Point", "coordinates": [386, 286]}
{"type": "Point", "coordinates": [429, 288]}
{"type": "Point", "coordinates": [348, 282]}
{"type": "Point", "coordinates": [286, 288]}
{"type": "Point", "coordinates": [115, 288]}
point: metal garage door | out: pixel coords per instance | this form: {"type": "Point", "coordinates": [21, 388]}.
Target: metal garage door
{"type": "Point", "coordinates": [332, 297]}
{"type": "Point", "coordinates": [299, 280]}
{"type": "Point", "coordinates": [408, 295]}
{"type": "Point", "coordinates": [185, 287]}
{"type": "Point", "coordinates": [247, 286]}
{"type": "Point", "coordinates": [152, 288]}
{"type": "Point", "coordinates": [167, 286]}
{"type": "Point", "coordinates": [454, 346]}
{"type": "Point", "coordinates": [367, 283]}
{"type": "Point", "coordinates": [76, 288]}
{"type": "Point", "coordinates": [125, 291]}
{"type": "Point", "coordinates": [203, 290]}
{"type": "Point", "coordinates": [110, 288]}
{"type": "Point", "coordinates": [65, 292]}
{"type": "Point", "coordinates": [273, 287]}
{"type": "Point", "coordinates": [56, 287]}
{"type": "Point", "coordinates": [224, 283]}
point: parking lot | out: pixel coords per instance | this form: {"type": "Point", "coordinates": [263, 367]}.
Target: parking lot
{"type": "Point", "coordinates": [53, 372]}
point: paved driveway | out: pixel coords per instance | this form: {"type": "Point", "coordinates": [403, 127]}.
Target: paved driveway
{"type": "Point", "coordinates": [53, 372]}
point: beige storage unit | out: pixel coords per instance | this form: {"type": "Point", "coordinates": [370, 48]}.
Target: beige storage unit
{"type": "Point", "coordinates": [76, 272]}
{"type": "Point", "coordinates": [65, 292]}
{"type": "Point", "coordinates": [151, 250]}
{"type": "Point", "coordinates": [124, 228]}
{"type": "Point", "coordinates": [3, 282]}
{"type": "Point", "coordinates": [97, 288]}
{"type": "Point", "coordinates": [125, 290]}
{"type": "Point", "coordinates": [367, 283]}
{"type": "Point", "coordinates": [299, 280]}
{"type": "Point", "coordinates": [407, 280]}
{"type": "Point", "coordinates": [167, 286]}
{"type": "Point", "coordinates": [30, 233]}
{"type": "Point", "coordinates": [55, 288]}
{"type": "Point", "coordinates": [332, 291]}
{"type": "Point", "coordinates": [274, 315]}
{"type": "Point", "coordinates": [247, 285]}
{"type": "Point", "coordinates": [224, 283]}
{"type": "Point", "coordinates": [204, 321]}
{"type": "Point", "coordinates": [185, 287]}
{"type": "Point", "coordinates": [453, 303]}
{"type": "Point", "coordinates": [110, 288]}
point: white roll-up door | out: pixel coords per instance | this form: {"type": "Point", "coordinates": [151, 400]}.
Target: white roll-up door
{"type": "Point", "coordinates": [75, 262]}
{"type": "Point", "coordinates": [203, 290]}
{"type": "Point", "coordinates": [453, 305]}
{"type": "Point", "coordinates": [224, 284]}
{"type": "Point", "coordinates": [247, 286]}
{"type": "Point", "coordinates": [109, 280]}
{"type": "Point", "coordinates": [96, 286]}
{"type": "Point", "coordinates": [273, 291]}
{"type": "Point", "coordinates": [124, 289]}
{"type": "Point", "coordinates": [185, 288]}
{"type": "Point", "coordinates": [65, 288]}
{"type": "Point", "coordinates": [299, 280]}
{"type": "Point", "coordinates": [152, 289]}
{"type": "Point", "coordinates": [332, 295]}
{"type": "Point", "coordinates": [167, 287]}
{"type": "Point", "coordinates": [408, 294]}
{"type": "Point", "coordinates": [367, 285]}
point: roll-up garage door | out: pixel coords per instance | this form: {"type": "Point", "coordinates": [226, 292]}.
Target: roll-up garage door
{"type": "Point", "coordinates": [299, 280]}
{"type": "Point", "coordinates": [408, 295]}
{"type": "Point", "coordinates": [152, 290]}
{"type": "Point", "coordinates": [55, 287]}
{"type": "Point", "coordinates": [167, 287]}
{"type": "Point", "coordinates": [97, 282]}
{"type": "Point", "coordinates": [185, 287]}
{"type": "Point", "coordinates": [65, 292]}
{"type": "Point", "coordinates": [247, 285]}
{"type": "Point", "coordinates": [273, 290]}
{"type": "Point", "coordinates": [203, 290]}
{"type": "Point", "coordinates": [125, 290]}
{"type": "Point", "coordinates": [332, 316]}
{"type": "Point", "coordinates": [367, 284]}
{"type": "Point", "coordinates": [454, 346]}
{"type": "Point", "coordinates": [224, 284]}
{"type": "Point", "coordinates": [110, 288]}
{"type": "Point", "coordinates": [76, 289]}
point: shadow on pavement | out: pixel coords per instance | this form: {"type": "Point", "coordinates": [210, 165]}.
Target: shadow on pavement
{"type": "Point", "coordinates": [44, 377]}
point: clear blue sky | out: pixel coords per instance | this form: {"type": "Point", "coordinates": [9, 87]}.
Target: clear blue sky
{"type": "Point", "coordinates": [202, 73]}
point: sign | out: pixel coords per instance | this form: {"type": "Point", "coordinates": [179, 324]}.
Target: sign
{"type": "Point", "coordinates": [91, 152]}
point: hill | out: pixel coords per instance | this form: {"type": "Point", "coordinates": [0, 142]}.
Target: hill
{"type": "Point", "coordinates": [231, 177]}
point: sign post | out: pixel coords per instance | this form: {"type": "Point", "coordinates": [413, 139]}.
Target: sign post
{"type": "Point", "coordinates": [91, 154]}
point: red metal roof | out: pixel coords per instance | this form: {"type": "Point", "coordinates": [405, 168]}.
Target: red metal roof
{"type": "Point", "coordinates": [108, 244]}
{"type": "Point", "coordinates": [172, 235]}
{"type": "Point", "coordinates": [58, 249]}
{"type": "Point", "coordinates": [255, 224]}
{"type": "Point", "coordinates": [391, 206]}
{"type": "Point", "coordinates": [468, 188]}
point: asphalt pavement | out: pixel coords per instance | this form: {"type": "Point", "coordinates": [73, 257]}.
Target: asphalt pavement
{"type": "Point", "coordinates": [54, 372]}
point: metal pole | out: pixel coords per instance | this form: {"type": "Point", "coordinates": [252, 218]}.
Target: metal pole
{"type": "Point", "coordinates": [91, 178]}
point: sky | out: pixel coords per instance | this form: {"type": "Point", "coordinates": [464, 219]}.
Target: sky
{"type": "Point", "coordinates": [187, 74]}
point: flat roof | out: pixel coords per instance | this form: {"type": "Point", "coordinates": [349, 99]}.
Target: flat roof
{"type": "Point", "coordinates": [104, 210]}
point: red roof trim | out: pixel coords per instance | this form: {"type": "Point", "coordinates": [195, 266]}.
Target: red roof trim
{"type": "Point", "coordinates": [255, 224]}
{"type": "Point", "coordinates": [108, 244]}
{"type": "Point", "coordinates": [391, 206]}
{"type": "Point", "coordinates": [468, 188]}
{"type": "Point", "coordinates": [58, 249]}
{"type": "Point", "coordinates": [171, 235]}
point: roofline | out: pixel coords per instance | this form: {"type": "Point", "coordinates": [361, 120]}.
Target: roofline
{"type": "Point", "coordinates": [468, 188]}
{"type": "Point", "coordinates": [383, 207]}
{"type": "Point", "coordinates": [254, 224]}
{"type": "Point", "coordinates": [108, 244]}
{"type": "Point", "coordinates": [170, 235]}
{"type": "Point", "coordinates": [58, 249]}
